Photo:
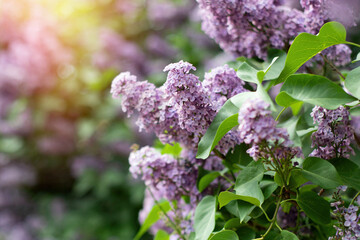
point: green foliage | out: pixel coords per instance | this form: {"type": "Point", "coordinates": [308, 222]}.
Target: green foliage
{"type": "Point", "coordinates": [349, 172]}
{"type": "Point", "coordinates": [226, 119]}
{"type": "Point", "coordinates": [207, 179]}
{"type": "Point", "coordinates": [225, 235]}
{"type": "Point", "coordinates": [162, 235]}
{"type": "Point", "coordinates": [352, 82]}
{"type": "Point", "coordinates": [286, 235]}
{"type": "Point", "coordinates": [305, 46]}
{"type": "Point", "coordinates": [247, 183]}
{"type": "Point", "coordinates": [312, 89]}
{"type": "Point", "coordinates": [321, 172]}
{"type": "Point", "coordinates": [204, 221]}
{"type": "Point", "coordinates": [315, 207]}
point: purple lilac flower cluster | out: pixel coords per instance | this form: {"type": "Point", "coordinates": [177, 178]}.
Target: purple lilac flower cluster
{"type": "Point", "coordinates": [349, 218]}
{"type": "Point", "coordinates": [334, 134]}
{"type": "Point", "coordinates": [171, 177]}
{"type": "Point", "coordinates": [258, 129]}
{"type": "Point", "coordinates": [248, 28]}
{"type": "Point", "coordinates": [182, 109]}
{"type": "Point", "coordinates": [223, 83]}
{"type": "Point", "coordinates": [189, 98]}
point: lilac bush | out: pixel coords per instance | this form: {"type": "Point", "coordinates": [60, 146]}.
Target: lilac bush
{"type": "Point", "coordinates": [229, 120]}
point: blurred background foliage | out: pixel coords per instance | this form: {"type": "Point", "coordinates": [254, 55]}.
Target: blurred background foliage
{"type": "Point", "coordinates": [64, 141]}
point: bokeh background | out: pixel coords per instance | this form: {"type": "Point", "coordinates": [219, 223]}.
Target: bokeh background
{"type": "Point", "coordinates": [64, 142]}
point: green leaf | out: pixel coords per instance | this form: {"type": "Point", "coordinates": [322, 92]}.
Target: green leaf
{"type": "Point", "coordinates": [349, 172]}
{"type": "Point", "coordinates": [316, 90]}
{"type": "Point", "coordinates": [296, 178]}
{"type": "Point", "coordinates": [286, 235]}
{"type": "Point", "coordinates": [154, 216]}
{"type": "Point", "coordinates": [355, 111]}
{"type": "Point", "coordinates": [247, 183]}
{"type": "Point", "coordinates": [274, 69]}
{"type": "Point", "coordinates": [232, 224]}
{"type": "Point", "coordinates": [225, 235]}
{"type": "Point", "coordinates": [238, 156]}
{"type": "Point", "coordinates": [357, 58]}
{"type": "Point", "coordinates": [268, 187]}
{"type": "Point", "coordinates": [204, 221]}
{"type": "Point", "coordinates": [352, 82]}
{"type": "Point", "coordinates": [321, 172]}
{"type": "Point", "coordinates": [290, 126]}
{"type": "Point", "coordinates": [224, 121]}
{"type": "Point", "coordinates": [247, 73]}
{"type": "Point", "coordinates": [162, 235]}
{"type": "Point", "coordinates": [207, 179]}
{"type": "Point", "coordinates": [244, 209]}
{"type": "Point", "coordinates": [315, 207]}
{"type": "Point", "coordinates": [285, 100]}
{"type": "Point", "coordinates": [306, 46]}
{"type": "Point", "coordinates": [246, 233]}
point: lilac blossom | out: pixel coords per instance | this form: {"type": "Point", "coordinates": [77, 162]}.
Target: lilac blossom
{"type": "Point", "coordinates": [248, 28]}
{"type": "Point", "coordinates": [173, 177]}
{"type": "Point", "coordinates": [334, 134]}
{"type": "Point", "coordinates": [348, 227]}
{"type": "Point", "coordinates": [222, 83]}
{"type": "Point", "coordinates": [258, 129]}
{"type": "Point", "coordinates": [189, 98]}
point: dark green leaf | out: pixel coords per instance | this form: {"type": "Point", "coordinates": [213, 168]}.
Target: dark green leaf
{"type": "Point", "coordinates": [207, 179]}
{"type": "Point", "coordinates": [204, 221]}
{"type": "Point", "coordinates": [246, 233]}
{"type": "Point", "coordinates": [349, 172]}
{"type": "Point", "coordinates": [296, 178]}
{"type": "Point", "coordinates": [247, 183]}
{"type": "Point", "coordinates": [321, 172]}
{"type": "Point", "coordinates": [306, 46]}
{"type": "Point", "coordinates": [268, 187]}
{"type": "Point", "coordinates": [286, 235]}
{"type": "Point", "coordinates": [352, 82]}
{"type": "Point", "coordinates": [154, 216]}
{"type": "Point", "coordinates": [232, 224]}
{"type": "Point", "coordinates": [225, 120]}
{"type": "Point", "coordinates": [238, 156]}
{"type": "Point", "coordinates": [316, 90]}
{"type": "Point", "coordinates": [244, 209]}
{"type": "Point", "coordinates": [225, 235]}
{"type": "Point", "coordinates": [315, 207]}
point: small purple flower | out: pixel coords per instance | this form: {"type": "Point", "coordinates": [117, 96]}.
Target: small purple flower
{"type": "Point", "coordinates": [334, 134]}
{"type": "Point", "coordinates": [258, 128]}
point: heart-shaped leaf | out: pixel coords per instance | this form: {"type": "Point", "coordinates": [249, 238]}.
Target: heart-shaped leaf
{"type": "Point", "coordinates": [305, 46]}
